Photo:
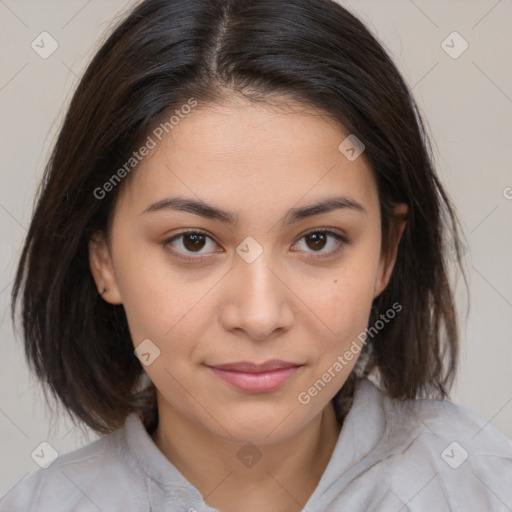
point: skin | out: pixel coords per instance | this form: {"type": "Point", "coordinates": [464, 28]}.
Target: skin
{"type": "Point", "coordinates": [259, 162]}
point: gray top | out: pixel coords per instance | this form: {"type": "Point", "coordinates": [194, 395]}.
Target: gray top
{"type": "Point", "coordinates": [424, 455]}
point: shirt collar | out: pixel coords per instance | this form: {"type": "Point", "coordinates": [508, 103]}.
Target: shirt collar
{"type": "Point", "coordinates": [363, 429]}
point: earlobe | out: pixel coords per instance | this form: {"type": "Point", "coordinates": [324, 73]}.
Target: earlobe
{"type": "Point", "coordinates": [100, 263]}
{"type": "Point", "coordinates": [387, 261]}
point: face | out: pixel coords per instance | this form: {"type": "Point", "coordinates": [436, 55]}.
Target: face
{"type": "Point", "coordinates": [248, 281]}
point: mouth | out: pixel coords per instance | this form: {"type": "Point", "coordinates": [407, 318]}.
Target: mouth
{"type": "Point", "coordinates": [254, 377]}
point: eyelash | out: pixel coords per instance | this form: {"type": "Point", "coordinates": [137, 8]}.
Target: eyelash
{"type": "Point", "coordinates": [341, 239]}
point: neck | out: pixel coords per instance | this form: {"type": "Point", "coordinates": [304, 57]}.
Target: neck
{"type": "Point", "coordinates": [280, 476]}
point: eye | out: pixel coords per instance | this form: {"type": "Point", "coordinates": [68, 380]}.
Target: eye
{"type": "Point", "coordinates": [193, 242]}
{"type": "Point", "coordinates": [317, 239]}
{"type": "Point", "coordinates": [190, 242]}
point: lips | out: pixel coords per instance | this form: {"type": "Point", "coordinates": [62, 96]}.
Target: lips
{"type": "Point", "coordinates": [256, 378]}
{"type": "Point", "coordinates": [248, 367]}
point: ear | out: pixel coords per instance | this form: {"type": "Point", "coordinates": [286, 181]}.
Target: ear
{"type": "Point", "coordinates": [387, 261]}
{"type": "Point", "coordinates": [102, 269]}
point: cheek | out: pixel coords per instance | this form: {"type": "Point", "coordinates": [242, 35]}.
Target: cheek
{"type": "Point", "coordinates": [342, 300]}
{"type": "Point", "coordinates": [159, 302]}
{"type": "Point", "coordinates": [343, 303]}
{"type": "Point", "coordinates": [344, 318]}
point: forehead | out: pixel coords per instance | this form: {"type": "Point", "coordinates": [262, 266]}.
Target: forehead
{"type": "Point", "coordinates": [251, 156]}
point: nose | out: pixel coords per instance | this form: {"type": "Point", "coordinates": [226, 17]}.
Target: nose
{"type": "Point", "coordinates": [258, 300]}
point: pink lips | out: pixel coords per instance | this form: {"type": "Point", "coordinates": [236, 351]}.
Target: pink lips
{"type": "Point", "coordinates": [256, 378]}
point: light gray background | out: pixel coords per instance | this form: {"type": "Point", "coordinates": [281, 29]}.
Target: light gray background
{"type": "Point", "coordinates": [468, 105]}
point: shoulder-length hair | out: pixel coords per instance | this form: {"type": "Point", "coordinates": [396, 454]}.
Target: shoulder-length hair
{"type": "Point", "coordinates": [163, 53]}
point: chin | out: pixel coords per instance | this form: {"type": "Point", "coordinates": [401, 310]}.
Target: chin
{"type": "Point", "coordinates": [260, 426]}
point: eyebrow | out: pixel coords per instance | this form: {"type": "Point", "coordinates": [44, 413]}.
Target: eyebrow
{"type": "Point", "coordinates": [232, 218]}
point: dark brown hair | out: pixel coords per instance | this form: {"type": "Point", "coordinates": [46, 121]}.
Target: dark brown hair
{"type": "Point", "coordinates": [163, 53]}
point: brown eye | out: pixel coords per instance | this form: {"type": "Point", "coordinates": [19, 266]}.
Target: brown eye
{"type": "Point", "coordinates": [190, 243]}
{"type": "Point", "coordinates": [193, 241]}
{"type": "Point", "coordinates": [317, 240]}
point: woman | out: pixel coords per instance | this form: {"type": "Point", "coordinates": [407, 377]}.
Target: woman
{"type": "Point", "coordinates": [236, 272]}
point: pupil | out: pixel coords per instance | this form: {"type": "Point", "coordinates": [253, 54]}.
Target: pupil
{"type": "Point", "coordinates": [319, 238]}
{"type": "Point", "coordinates": [197, 239]}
